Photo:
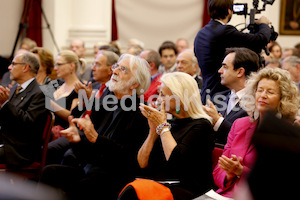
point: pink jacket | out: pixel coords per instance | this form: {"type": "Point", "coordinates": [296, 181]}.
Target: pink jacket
{"type": "Point", "coordinates": [239, 144]}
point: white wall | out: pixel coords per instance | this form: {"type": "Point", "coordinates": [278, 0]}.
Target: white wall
{"type": "Point", "coordinates": [91, 20]}
{"type": "Point", "coordinates": [156, 21]}
{"type": "Point", "coordinates": [10, 16]}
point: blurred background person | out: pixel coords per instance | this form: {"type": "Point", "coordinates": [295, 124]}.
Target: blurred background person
{"type": "Point", "coordinates": [96, 47]}
{"type": "Point", "coordinates": [273, 63]}
{"type": "Point", "coordinates": [134, 49]}
{"type": "Point", "coordinates": [46, 65]}
{"type": "Point", "coordinates": [83, 72]}
{"type": "Point", "coordinates": [290, 52]}
{"type": "Point", "coordinates": [27, 44]}
{"type": "Point", "coordinates": [181, 44]}
{"type": "Point", "coordinates": [109, 48]}
{"type": "Point", "coordinates": [292, 65]}
{"type": "Point", "coordinates": [187, 62]}
{"type": "Point", "coordinates": [153, 58]}
{"type": "Point", "coordinates": [275, 50]}
{"type": "Point", "coordinates": [168, 54]}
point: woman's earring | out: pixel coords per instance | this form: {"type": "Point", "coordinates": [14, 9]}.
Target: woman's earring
{"type": "Point", "coordinates": [256, 114]}
{"type": "Point", "coordinates": [279, 115]}
{"type": "Point", "coordinates": [177, 109]}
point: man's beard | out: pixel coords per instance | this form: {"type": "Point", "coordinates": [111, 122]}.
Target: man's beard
{"type": "Point", "coordinates": [121, 86]}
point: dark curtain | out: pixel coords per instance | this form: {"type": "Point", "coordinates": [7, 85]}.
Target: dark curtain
{"type": "Point", "coordinates": [32, 16]}
{"type": "Point", "coordinates": [114, 28]}
{"type": "Point", "coordinates": [206, 17]}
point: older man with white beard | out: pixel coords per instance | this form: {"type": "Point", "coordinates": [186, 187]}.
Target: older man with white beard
{"type": "Point", "coordinates": [108, 145]}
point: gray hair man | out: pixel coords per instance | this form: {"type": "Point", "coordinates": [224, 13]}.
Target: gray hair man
{"type": "Point", "coordinates": [187, 62]}
{"type": "Point", "coordinates": [111, 136]}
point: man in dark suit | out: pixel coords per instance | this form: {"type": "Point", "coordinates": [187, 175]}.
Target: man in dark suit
{"type": "Point", "coordinates": [22, 113]}
{"type": "Point", "coordinates": [236, 66]}
{"type": "Point", "coordinates": [187, 62]}
{"type": "Point", "coordinates": [212, 40]}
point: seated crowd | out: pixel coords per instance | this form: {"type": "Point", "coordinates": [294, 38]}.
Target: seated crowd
{"type": "Point", "coordinates": [133, 124]}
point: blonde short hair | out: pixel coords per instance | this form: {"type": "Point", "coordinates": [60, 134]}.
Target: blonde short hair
{"type": "Point", "coordinates": [185, 87]}
{"type": "Point", "coordinates": [289, 93]}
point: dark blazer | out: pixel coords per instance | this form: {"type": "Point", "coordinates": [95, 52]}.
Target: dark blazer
{"type": "Point", "coordinates": [199, 81]}
{"type": "Point", "coordinates": [22, 120]}
{"type": "Point", "coordinates": [121, 134]}
{"type": "Point", "coordinates": [235, 113]}
{"type": "Point", "coordinates": [210, 44]}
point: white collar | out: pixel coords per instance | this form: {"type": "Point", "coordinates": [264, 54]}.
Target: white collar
{"type": "Point", "coordinates": [240, 93]}
{"type": "Point", "coordinates": [220, 21]}
{"type": "Point", "coordinates": [25, 84]}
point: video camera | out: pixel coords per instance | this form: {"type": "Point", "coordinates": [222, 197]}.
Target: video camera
{"type": "Point", "coordinates": [242, 9]}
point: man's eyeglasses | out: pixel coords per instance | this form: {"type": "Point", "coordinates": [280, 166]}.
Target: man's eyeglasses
{"type": "Point", "coordinates": [15, 63]}
{"type": "Point", "coordinates": [60, 64]}
{"type": "Point", "coordinates": [97, 64]}
{"type": "Point", "coordinates": [122, 68]}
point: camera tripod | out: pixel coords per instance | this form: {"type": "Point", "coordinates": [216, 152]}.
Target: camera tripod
{"type": "Point", "coordinates": [24, 24]}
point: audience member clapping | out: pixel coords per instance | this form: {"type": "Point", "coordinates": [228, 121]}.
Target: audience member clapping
{"type": "Point", "coordinates": [268, 90]}
{"type": "Point", "coordinates": [179, 149]}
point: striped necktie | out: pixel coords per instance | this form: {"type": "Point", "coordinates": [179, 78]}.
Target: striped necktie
{"type": "Point", "coordinates": [18, 89]}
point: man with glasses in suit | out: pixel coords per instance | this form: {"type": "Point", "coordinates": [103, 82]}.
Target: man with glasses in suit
{"type": "Point", "coordinates": [22, 113]}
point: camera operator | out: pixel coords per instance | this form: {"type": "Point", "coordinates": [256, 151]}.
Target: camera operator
{"type": "Point", "coordinates": [212, 40]}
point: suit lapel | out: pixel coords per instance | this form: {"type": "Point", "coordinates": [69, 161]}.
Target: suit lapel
{"type": "Point", "coordinates": [12, 92]}
{"type": "Point", "coordinates": [22, 96]}
{"type": "Point", "coordinates": [19, 98]}
{"type": "Point", "coordinates": [235, 109]}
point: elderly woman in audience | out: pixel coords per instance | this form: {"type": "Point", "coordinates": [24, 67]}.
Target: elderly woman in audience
{"type": "Point", "coordinates": [46, 65]}
{"type": "Point", "coordinates": [179, 149]}
{"type": "Point", "coordinates": [270, 89]}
